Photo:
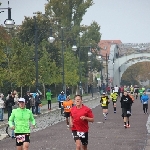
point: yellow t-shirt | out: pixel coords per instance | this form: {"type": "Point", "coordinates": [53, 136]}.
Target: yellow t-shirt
{"type": "Point", "coordinates": [114, 96]}
{"type": "Point", "coordinates": [104, 101]}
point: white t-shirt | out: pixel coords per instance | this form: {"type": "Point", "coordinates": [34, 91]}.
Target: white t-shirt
{"type": "Point", "coordinates": [116, 89]}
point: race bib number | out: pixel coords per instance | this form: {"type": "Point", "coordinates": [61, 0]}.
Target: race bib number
{"type": "Point", "coordinates": [104, 102]}
{"type": "Point", "coordinates": [81, 134]}
{"type": "Point", "coordinates": [68, 107]}
{"type": "Point", "coordinates": [20, 138]}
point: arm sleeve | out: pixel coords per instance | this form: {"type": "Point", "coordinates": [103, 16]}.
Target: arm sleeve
{"type": "Point", "coordinates": [32, 120]}
{"type": "Point", "coordinates": [101, 100]}
{"type": "Point", "coordinates": [11, 118]}
{"type": "Point", "coordinates": [90, 114]}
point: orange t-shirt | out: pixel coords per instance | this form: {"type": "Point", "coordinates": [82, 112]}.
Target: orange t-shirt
{"type": "Point", "coordinates": [67, 105]}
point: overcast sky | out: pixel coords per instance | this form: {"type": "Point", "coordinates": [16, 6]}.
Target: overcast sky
{"type": "Point", "coordinates": [125, 20]}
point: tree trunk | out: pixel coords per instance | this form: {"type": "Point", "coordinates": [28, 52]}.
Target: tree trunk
{"type": "Point", "coordinates": [44, 90]}
{"type": "Point", "coordinates": [72, 90]}
{"type": "Point", "coordinates": [55, 90]}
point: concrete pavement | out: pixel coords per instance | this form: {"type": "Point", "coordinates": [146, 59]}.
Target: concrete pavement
{"type": "Point", "coordinates": [103, 135]}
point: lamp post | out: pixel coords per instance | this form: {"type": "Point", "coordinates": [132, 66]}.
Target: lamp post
{"type": "Point", "coordinates": [106, 70]}
{"type": "Point", "coordinates": [9, 23]}
{"type": "Point", "coordinates": [62, 54]}
{"type": "Point", "coordinates": [74, 48]}
{"type": "Point", "coordinates": [50, 39]}
{"type": "Point", "coordinates": [90, 54]}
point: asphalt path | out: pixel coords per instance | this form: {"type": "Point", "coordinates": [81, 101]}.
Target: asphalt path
{"type": "Point", "coordinates": [103, 135]}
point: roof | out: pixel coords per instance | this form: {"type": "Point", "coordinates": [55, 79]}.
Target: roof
{"type": "Point", "coordinates": [105, 46]}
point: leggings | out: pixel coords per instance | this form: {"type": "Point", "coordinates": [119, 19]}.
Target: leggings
{"type": "Point", "coordinates": [49, 104]}
{"type": "Point", "coordinates": [145, 107]}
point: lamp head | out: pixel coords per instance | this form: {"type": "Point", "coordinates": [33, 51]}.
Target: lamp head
{"type": "Point", "coordinates": [89, 54]}
{"type": "Point", "coordinates": [51, 39]}
{"type": "Point", "coordinates": [74, 47]}
{"type": "Point", "coordinates": [9, 23]}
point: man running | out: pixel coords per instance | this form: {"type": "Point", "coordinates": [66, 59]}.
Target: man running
{"type": "Point", "coordinates": [141, 93]}
{"type": "Point", "coordinates": [61, 98]}
{"type": "Point", "coordinates": [116, 89]}
{"type": "Point", "coordinates": [104, 103]}
{"type": "Point", "coordinates": [22, 118]}
{"type": "Point", "coordinates": [126, 103]}
{"type": "Point", "coordinates": [79, 117]}
{"type": "Point", "coordinates": [144, 100]}
{"type": "Point", "coordinates": [67, 108]}
{"type": "Point", "coordinates": [136, 91]}
{"type": "Point", "coordinates": [114, 97]}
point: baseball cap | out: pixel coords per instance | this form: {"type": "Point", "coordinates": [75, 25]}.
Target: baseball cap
{"type": "Point", "coordinates": [104, 93]}
{"type": "Point", "coordinates": [21, 100]}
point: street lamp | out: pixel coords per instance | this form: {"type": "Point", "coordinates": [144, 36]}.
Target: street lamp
{"type": "Point", "coordinates": [89, 55]}
{"type": "Point", "coordinates": [74, 48]}
{"type": "Point", "coordinates": [50, 39]}
{"type": "Point", "coordinates": [62, 54]}
{"type": "Point", "coordinates": [9, 23]}
{"type": "Point", "coordinates": [101, 71]}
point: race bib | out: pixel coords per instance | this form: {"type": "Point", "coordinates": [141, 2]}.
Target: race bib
{"type": "Point", "coordinates": [20, 138]}
{"type": "Point", "coordinates": [68, 107]}
{"type": "Point", "coordinates": [128, 112]}
{"type": "Point", "coordinates": [104, 102]}
{"type": "Point", "coordinates": [81, 134]}
{"type": "Point", "coordinates": [145, 103]}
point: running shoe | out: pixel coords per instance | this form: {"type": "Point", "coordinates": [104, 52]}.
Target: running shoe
{"type": "Point", "coordinates": [128, 126]}
{"type": "Point", "coordinates": [114, 111]}
{"type": "Point", "coordinates": [105, 118]}
{"type": "Point", "coordinates": [125, 126]}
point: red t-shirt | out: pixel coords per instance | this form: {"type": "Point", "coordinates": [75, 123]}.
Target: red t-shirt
{"type": "Point", "coordinates": [79, 124]}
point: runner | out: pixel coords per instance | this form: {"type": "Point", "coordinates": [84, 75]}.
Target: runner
{"type": "Point", "coordinates": [116, 89]}
{"type": "Point", "coordinates": [144, 99]}
{"type": "Point", "coordinates": [104, 103]}
{"type": "Point", "coordinates": [114, 97]}
{"type": "Point", "coordinates": [131, 89]}
{"type": "Point", "coordinates": [61, 98]}
{"type": "Point", "coordinates": [22, 118]}
{"type": "Point", "coordinates": [141, 93]}
{"type": "Point", "coordinates": [79, 117]}
{"type": "Point", "coordinates": [126, 102]}
{"type": "Point", "coordinates": [67, 108]}
{"type": "Point", "coordinates": [136, 91]}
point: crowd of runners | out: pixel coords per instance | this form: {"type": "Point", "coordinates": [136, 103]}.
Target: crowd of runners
{"type": "Point", "coordinates": [126, 95]}
{"type": "Point", "coordinates": [76, 113]}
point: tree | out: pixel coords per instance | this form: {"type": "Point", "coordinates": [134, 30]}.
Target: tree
{"type": "Point", "coordinates": [137, 72]}
{"type": "Point", "coordinates": [71, 69]}
{"type": "Point", "coordinates": [22, 64]}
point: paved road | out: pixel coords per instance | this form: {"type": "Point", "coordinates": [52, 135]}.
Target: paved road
{"type": "Point", "coordinates": [108, 135]}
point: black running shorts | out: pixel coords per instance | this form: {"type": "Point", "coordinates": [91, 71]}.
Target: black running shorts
{"type": "Point", "coordinates": [67, 114]}
{"type": "Point", "coordinates": [105, 107]}
{"type": "Point", "coordinates": [21, 138]}
{"type": "Point", "coordinates": [83, 136]}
